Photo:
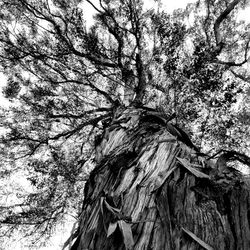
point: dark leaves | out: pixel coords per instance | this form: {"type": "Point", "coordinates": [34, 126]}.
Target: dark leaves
{"type": "Point", "coordinates": [12, 89]}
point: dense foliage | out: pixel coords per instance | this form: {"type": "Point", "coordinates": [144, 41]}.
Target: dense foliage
{"type": "Point", "coordinates": [65, 80]}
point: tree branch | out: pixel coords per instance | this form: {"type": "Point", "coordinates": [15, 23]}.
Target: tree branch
{"type": "Point", "coordinates": [206, 21]}
{"type": "Point", "coordinates": [231, 155]}
{"type": "Point", "coordinates": [80, 115]}
{"type": "Point", "coordinates": [69, 133]}
{"type": "Point", "coordinates": [105, 94]}
{"type": "Point", "coordinates": [91, 85]}
{"type": "Point", "coordinates": [220, 19]}
{"type": "Point", "coordinates": [232, 63]}
{"type": "Point", "coordinates": [243, 78]}
{"type": "Point", "coordinates": [94, 59]}
{"type": "Point", "coordinates": [94, 6]}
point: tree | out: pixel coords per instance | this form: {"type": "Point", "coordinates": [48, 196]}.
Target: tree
{"type": "Point", "coordinates": [117, 96]}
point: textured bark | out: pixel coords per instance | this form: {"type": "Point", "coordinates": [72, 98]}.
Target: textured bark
{"type": "Point", "coordinates": [150, 190]}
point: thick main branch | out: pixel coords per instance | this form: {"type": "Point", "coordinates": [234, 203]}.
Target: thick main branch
{"type": "Point", "coordinates": [220, 19]}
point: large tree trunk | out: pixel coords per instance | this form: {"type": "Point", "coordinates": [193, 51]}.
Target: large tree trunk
{"type": "Point", "coordinates": [150, 190]}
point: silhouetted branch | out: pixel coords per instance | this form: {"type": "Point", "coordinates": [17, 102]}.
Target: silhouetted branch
{"type": "Point", "coordinates": [243, 78]}
{"type": "Point", "coordinates": [206, 21]}
{"type": "Point", "coordinates": [232, 63]}
{"type": "Point", "coordinates": [220, 19]}
{"type": "Point", "coordinates": [231, 155]}
{"type": "Point", "coordinates": [69, 133]}
{"type": "Point", "coordinates": [82, 115]}
{"type": "Point", "coordinates": [93, 58]}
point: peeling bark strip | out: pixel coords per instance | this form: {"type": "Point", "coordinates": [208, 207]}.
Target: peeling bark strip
{"type": "Point", "coordinates": [150, 190]}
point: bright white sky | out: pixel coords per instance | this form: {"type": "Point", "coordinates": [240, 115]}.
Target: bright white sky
{"type": "Point", "coordinates": [57, 241]}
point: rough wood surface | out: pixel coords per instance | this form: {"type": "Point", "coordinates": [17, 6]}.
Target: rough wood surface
{"type": "Point", "coordinates": [151, 191]}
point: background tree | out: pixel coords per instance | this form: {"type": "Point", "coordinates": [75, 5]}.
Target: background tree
{"type": "Point", "coordinates": [70, 85]}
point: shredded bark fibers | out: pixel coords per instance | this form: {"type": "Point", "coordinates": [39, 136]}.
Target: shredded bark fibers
{"type": "Point", "coordinates": [151, 190]}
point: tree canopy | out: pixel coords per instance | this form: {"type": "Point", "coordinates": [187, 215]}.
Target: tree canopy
{"type": "Point", "coordinates": [66, 80]}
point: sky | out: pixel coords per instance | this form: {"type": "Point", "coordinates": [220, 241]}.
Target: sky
{"type": "Point", "coordinates": [57, 241]}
